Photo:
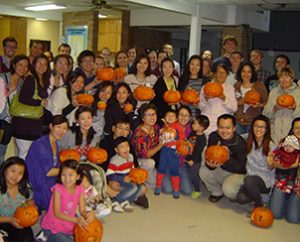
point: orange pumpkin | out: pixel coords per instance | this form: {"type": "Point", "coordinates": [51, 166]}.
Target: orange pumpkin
{"type": "Point", "coordinates": [27, 215]}
{"type": "Point", "coordinates": [119, 73]}
{"type": "Point", "coordinates": [97, 155]}
{"type": "Point", "coordinates": [128, 108]}
{"type": "Point", "coordinates": [101, 105]}
{"type": "Point", "coordinates": [252, 97]}
{"type": "Point", "coordinates": [217, 153]}
{"type": "Point", "coordinates": [69, 154]}
{"type": "Point", "coordinates": [143, 93]}
{"type": "Point", "coordinates": [168, 134]}
{"type": "Point", "coordinates": [184, 148]}
{"type": "Point", "coordinates": [213, 89]}
{"type": "Point", "coordinates": [190, 96]}
{"type": "Point", "coordinates": [85, 99]}
{"type": "Point", "coordinates": [92, 233]}
{"type": "Point", "coordinates": [106, 74]}
{"type": "Point", "coordinates": [172, 96]}
{"type": "Point", "coordinates": [262, 217]}
{"type": "Point", "coordinates": [138, 175]}
{"type": "Point", "coordinates": [285, 100]}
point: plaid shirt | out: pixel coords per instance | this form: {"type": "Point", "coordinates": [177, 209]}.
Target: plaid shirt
{"type": "Point", "coordinates": [262, 74]}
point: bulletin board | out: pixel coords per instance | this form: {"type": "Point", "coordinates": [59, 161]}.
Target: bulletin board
{"type": "Point", "coordinates": [76, 37]}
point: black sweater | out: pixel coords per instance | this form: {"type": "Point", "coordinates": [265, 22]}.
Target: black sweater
{"type": "Point", "coordinates": [199, 142]}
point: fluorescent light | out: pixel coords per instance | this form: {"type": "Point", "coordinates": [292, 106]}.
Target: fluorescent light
{"type": "Point", "coordinates": [44, 7]}
{"type": "Point", "coordinates": [102, 15]}
{"type": "Point", "coordinates": [41, 19]}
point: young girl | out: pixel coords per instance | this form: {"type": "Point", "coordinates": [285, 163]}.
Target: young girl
{"type": "Point", "coordinates": [14, 192]}
{"type": "Point", "coordinates": [67, 197]}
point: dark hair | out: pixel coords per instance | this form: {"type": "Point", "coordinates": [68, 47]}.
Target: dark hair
{"type": "Point", "coordinates": [15, 60]}
{"type": "Point", "coordinates": [170, 110]}
{"type": "Point", "coordinates": [64, 45]}
{"type": "Point", "coordinates": [101, 87]}
{"type": "Point", "coordinates": [124, 120]}
{"type": "Point", "coordinates": [116, 57]}
{"type": "Point", "coordinates": [297, 119]}
{"type": "Point", "coordinates": [227, 116]}
{"type": "Point", "coordinates": [287, 59]}
{"type": "Point", "coordinates": [253, 72]}
{"type": "Point", "coordinates": [37, 42]}
{"type": "Point", "coordinates": [9, 39]}
{"type": "Point", "coordinates": [222, 66]}
{"type": "Point", "coordinates": [185, 77]}
{"type": "Point", "coordinates": [130, 98]}
{"type": "Point", "coordinates": [72, 77]}
{"type": "Point", "coordinates": [71, 164]}
{"type": "Point", "coordinates": [83, 54]}
{"type": "Point", "coordinates": [24, 187]}
{"type": "Point", "coordinates": [61, 56]}
{"type": "Point", "coordinates": [144, 108]}
{"type": "Point", "coordinates": [236, 52]}
{"type": "Point", "coordinates": [131, 47]}
{"type": "Point", "coordinates": [137, 60]}
{"type": "Point", "coordinates": [266, 139]}
{"type": "Point", "coordinates": [86, 173]}
{"type": "Point", "coordinates": [202, 120]}
{"type": "Point", "coordinates": [120, 140]}
{"type": "Point", "coordinates": [51, 55]}
{"type": "Point", "coordinates": [187, 108]}
{"type": "Point", "coordinates": [45, 81]}
{"type": "Point", "coordinates": [165, 60]}
{"type": "Point", "coordinates": [59, 119]}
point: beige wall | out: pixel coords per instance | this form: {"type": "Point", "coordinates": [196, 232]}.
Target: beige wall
{"type": "Point", "coordinates": [43, 30]}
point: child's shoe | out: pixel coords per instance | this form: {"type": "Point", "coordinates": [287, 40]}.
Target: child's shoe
{"type": "Point", "coordinates": [117, 207]}
{"type": "Point", "coordinates": [102, 210]}
{"type": "Point", "coordinates": [176, 194]}
{"type": "Point", "coordinates": [142, 201]}
{"type": "Point", "coordinates": [126, 206]}
{"type": "Point", "coordinates": [195, 195]}
{"type": "Point", "coordinates": [287, 189]}
{"type": "Point", "coordinates": [41, 236]}
{"type": "Point", "coordinates": [157, 191]}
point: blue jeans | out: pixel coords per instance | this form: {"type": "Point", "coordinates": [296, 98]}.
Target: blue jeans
{"type": "Point", "coordinates": [285, 205]}
{"type": "Point", "coordinates": [186, 187]}
{"type": "Point", "coordinates": [59, 237]}
{"type": "Point", "coordinates": [129, 192]}
{"type": "Point", "coordinates": [242, 129]}
{"type": "Point", "coordinates": [2, 152]}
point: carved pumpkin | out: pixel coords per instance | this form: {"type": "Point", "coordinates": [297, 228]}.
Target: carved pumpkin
{"type": "Point", "coordinates": [119, 73]}
{"type": "Point", "coordinates": [128, 107]}
{"type": "Point", "coordinates": [92, 233]}
{"type": "Point", "coordinates": [190, 96]}
{"type": "Point", "coordinates": [106, 74]}
{"type": "Point", "coordinates": [138, 175]}
{"type": "Point", "coordinates": [101, 105]}
{"type": "Point", "coordinates": [85, 99]}
{"type": "Point", "coordinates": [262, 217]}
{"type": "Point", "coordinates": [168, 134]}
{"type": "Point", "coordinates": [143, 93]}
{"type": "Point", "coordinates": [27, 215]}
{"type": "Point", "coordinates": [252, 97]}
{"type": "Point", "coordinates": [217, 153]}
{"type": "Point", "coordinates": [69, 154]}
{"type": "Point", "coordinates": [184, 148]}
{"type": "Point", "coordinates": [97, 155]}
{"type": "Point", "coordinates": [285, 100]}
{"type": "Point", "coordinates": [213, 89]}
{"type": "Point", "coordinates": [172, 96]}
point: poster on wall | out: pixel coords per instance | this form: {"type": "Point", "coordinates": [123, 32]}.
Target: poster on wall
{"type": "Point", "coordinates": [76, 37]}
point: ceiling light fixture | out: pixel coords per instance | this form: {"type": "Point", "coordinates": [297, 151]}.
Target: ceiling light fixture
{"type": "Point", "coordinates": [271, 6]}
{"type": "Point", "coordinates": [44, 7]}
{"type": "Point", "coordinates": [102, 15]}
{"type": "Point", "coordinates": [41, 19]}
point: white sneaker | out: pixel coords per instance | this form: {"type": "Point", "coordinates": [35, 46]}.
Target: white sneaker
{"type": "Point", "coordinates": [41, 236]}
{"type": "Point", "coordinates": [126, 206]}
{"type": "Point", "coordinates": [3, 236]}
{"type": "Point", "coordinates": [117, 207]}
{"type": "Point", "coordinates": [102, 210]}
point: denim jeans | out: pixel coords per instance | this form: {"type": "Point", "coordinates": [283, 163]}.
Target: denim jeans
{"type": "Point", "coordinates": [2, 152]}
{"type": "Point", "coordinates": [186, 187]}
{"type": "Point", "coordinates": [59, 237]}
{"type": "Point", "coordinates": [285, 205]}
{"type": "Point", "coordinates": [129, 192]}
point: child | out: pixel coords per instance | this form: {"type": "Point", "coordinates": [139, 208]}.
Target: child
{"type": "Point", "coordinates": [14, 192]}
{"type": "Point", "coordinates": [118, 179]}
{"type": "Point", "coordinates": [170, 134]}
{"type": "Point", "coordinates": [67, 197]}
{"type": "Point", "coordinates": [198, 138]}
{"type": "Point", "coordinates": [92, 197]}
{"type": "Point", "coordinates": [287, 154]}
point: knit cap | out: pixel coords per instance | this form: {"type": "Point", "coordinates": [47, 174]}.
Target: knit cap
{"type": "Point", "coordinates": [292, 141]}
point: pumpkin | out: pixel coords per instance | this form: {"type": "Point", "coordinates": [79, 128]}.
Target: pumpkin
{"type": "Point", "coordinates": [285, 100]}
{"type": "Point", "coordinates": [101, 105]}
{"type": "Point", "coordinates": [143, 93]}
{"type": "Point", "coordinates": [128, 108]}
{"type": "Point", "coordinates": [69, 154]}
{"type": "Point", "coordinates": [92, 233]}
{"type": "Point", "coordinates": [262, 217]}
{"type": "Point", "coordinates": [184, 148]}
{"type": "Point", "coordinates": [106, 74]}
{"type": "Point", "coordinates": [213, 89]}
{"type": "Point", "coordinates": [138, 175]}
{"type": "Point", "coordinates": [190, 96]}
{"type": "Point", "coordinates": [97, 155]}
{"type": "Point", "coordinates": [168, 134]}
{"type": "Point", "coordinates": [27, 215]}
{"type": "Point", "coordinates": [119, 73]}
{"type": "Point", "coordinates": [85, 99]}
{"type": "Point", "coordinates": [217, 153]}
{"type": "Point", "coordinates": [172, 96]}
{"type": "Point", "coordinates": [252, 97]}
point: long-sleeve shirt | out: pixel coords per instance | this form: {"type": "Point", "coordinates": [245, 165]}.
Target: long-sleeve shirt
{"type": "Point", "coordinates": [199, 142]}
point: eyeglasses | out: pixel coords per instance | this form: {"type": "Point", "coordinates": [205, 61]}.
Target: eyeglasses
{"type": "Point", "coordinates": [150, 114]}
{"type": "Point", "coordinates": [125, 129]}
{"type": "Point", "coordinates": [259, 127]}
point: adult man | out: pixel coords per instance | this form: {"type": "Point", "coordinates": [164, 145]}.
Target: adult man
{"type": "Point", "coordinates": [36, 48]}
{"type": "Point", "coordinates": [225, 179]}
{"type": "Point", "coordinates": [106, 54]}
{"type": "Point", "coordinates": [236, 58]}
{"type": "Point", "coordinates": [64, 49]}
{"type": "Point", "coordinates": [168, 48]}
{"type": "Point", "coordinates": [9, 50]}
{"type": "Point", "coordinates": [256, 57]}
{"type": "Point", "coordinates": [86, 65]}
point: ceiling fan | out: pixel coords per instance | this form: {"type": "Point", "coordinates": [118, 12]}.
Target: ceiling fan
{"type": "Point", "coordinates": [98, 5]}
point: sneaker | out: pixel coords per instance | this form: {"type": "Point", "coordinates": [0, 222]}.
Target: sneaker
{"type": "Point", "coordinates": [126, 206]}
{"type": "Point", "coordinates": [3, 236]}
{"type": "Point", "coordinates": [41, 236]}
{"type": "Point", "coordinates": [215, 199]}
{"type": "Point", "coordinates": [142, 201]}
{"type": "Point", "coordinates": [176, 194]}
{"type": "Point", "coordinates": [117, 207]}
{"type": "Point", "coordinates": [287, 189]}
{"type": "Point", "coordinates": [102, 210]}
{"type": "Point", "coordinates": [157, 191]}
{"type": "Point", "coordinates": [195, 195]}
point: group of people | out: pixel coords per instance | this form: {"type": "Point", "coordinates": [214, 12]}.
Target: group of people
{"type": "Point", "coordinates": [262, 139]}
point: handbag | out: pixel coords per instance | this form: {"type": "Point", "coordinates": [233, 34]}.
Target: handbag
{"type": "Point", "coordinates": [21, 110]}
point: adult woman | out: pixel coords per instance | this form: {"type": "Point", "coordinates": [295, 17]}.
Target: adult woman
{"type": "Point", "coordinates": [246, 81]}
{"type": "Point", "coordinates": [121, 60]}
{"type": "Point", "coordinates": [286, 205]}
{"type": "Point", "coordinates": [260, 177]}
{"type": "Point", "coordinates": [63, 100]}
{"type": "Point", "coordinates": [9, 83]}
{"type": "Point", "coordinates": [207, 75]}
{"type": "Point", "coordinates": [131, 54]}
{"type": "Point", "coordinates": [145, 140]}
{"type": "Point", "coordinates": [42, 161]}
{"type": "Point", "coordinates": [27, 130]}
{"type": "Point", "coordinates": [213, 107]}
{"type": "Point", "coordinates": [186, 188]}
{"type": "Point", "coordinates": [281, 117]}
